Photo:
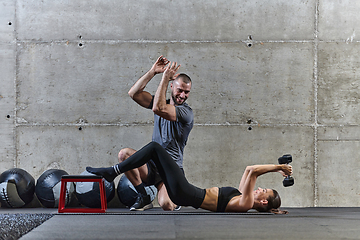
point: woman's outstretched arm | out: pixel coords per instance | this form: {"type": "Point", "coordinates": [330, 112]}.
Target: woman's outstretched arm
{"type": "Point", "coordinates": [248, 180]}
{"type": "Point", "coordinates": [257, 170]}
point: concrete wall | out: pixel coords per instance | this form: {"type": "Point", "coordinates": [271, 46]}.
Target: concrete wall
{"type": "Point", "coordinates": [269, 78]}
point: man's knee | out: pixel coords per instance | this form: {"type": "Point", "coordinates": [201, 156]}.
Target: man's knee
{"type": "Point", "coordinates": [125, 153]}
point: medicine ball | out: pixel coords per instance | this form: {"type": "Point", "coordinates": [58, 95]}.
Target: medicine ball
{"type": "Point", "coordinates": [17, 188]}
{"type": "Point", "coordinates": [127, 193]}
{"type": "Point", "coordinates": [48, 186]}
{"type": "Point", "coordinates": [88, 193]}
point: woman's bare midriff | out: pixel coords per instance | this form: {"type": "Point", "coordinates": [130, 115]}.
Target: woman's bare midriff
{"type": "Point", "coordinates": [211, 199]}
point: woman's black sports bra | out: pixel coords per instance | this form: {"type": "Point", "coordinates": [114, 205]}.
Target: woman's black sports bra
{"type": "Point", "coordinates": [225, 195]}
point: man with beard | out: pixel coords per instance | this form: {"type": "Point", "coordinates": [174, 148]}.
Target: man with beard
{"type": "Point", "coordinates": [173, 121]}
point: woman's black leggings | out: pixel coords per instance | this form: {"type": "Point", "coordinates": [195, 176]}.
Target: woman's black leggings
{"type": "Point", "coordinates": [180, 191]}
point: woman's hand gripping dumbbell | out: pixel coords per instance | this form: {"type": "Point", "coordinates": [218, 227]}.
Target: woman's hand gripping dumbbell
{"type": "Point", "coordinates": [286, 159]}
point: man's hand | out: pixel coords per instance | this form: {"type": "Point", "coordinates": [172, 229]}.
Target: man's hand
{"type": "Point", "coordinates": [170, 71]}
{"type": "Point", "coordinates": [160, 65]}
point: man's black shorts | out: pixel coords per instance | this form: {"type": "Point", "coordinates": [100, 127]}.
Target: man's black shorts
{"type": "Point", "coordinates": [153, 177]}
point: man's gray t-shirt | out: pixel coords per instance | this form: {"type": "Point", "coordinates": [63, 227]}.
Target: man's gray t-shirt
{"type": "Point", "coordinates": [173, 135]}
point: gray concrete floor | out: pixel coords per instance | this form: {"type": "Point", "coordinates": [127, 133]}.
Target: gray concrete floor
{"type": "Point", "coordinates": [188, 223]}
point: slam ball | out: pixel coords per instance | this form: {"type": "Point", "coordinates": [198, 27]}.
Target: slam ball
{"type": "Point", "coordinates": [48, 186]}
{"type": "Point", "coordinates": [17, 188]}
{"type": "Point", "coordinates": [88, 193]}
{"type": "Point", "coordinates": [127, 193]}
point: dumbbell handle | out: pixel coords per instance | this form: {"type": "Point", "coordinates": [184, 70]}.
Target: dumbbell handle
{"type": "Point", "coordinates": [286, 159]}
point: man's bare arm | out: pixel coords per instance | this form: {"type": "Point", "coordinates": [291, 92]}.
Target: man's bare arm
{"type": "Point", "coordinates": [160, 107]}
{"type": "Point", "coordinates": [137, 93]}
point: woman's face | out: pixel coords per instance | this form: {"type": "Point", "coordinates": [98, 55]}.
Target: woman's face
{"type": "Point", "coordinates": [262, 193]}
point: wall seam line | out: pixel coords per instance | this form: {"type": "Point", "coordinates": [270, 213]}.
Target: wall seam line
{"type": "Point", "coordinates": [15, 137]}
{"type": "Point", "coordinates": [316, 43]}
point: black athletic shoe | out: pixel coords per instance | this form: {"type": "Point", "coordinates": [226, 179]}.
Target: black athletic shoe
{"type": "Point", "coordinates": [177, 208]}
{"type": "Point", "coordinates": [142, 203]}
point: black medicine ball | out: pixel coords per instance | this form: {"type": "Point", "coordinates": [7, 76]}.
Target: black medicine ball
{"type": "Point", "coordinates": [127, 193]}
{"type": "Point", "coordinates": [17, 188]}
{"type": "Point", "coordinates": [48, 186]}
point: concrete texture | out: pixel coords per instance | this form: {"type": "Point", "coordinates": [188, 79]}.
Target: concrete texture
{"type": "Point", "coordinates": [337, 20]}
{"type": "Point", "coordinates": [338, 154]}
{"type": "Point", "coordinates": [269, 78]}
{"type": "Point", "coordinates": [255, 76]}
{"type": "Point", "coordinates": [7, 26]}
{"type": "Point", "coordinates": [158, 20]}
{"type": "Point", "coordinates": [338, 83]}
{"type": "Point", "coordinates": [7, 106]}
{"type": "Point", "coordinates": [68, 147]}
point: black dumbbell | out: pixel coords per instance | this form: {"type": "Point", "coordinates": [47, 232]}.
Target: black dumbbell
{"type": "Point", "coordinates": [286, 159]}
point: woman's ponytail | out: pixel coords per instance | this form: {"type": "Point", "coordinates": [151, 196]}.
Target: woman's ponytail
{"type": "Point", "coordinates": [278, 211]}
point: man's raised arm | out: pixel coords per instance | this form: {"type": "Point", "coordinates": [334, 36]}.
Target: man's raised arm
{"type": "Point", "coordinates": [137, 93]}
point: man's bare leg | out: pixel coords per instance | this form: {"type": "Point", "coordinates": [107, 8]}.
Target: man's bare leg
{"type": "Point", "coordinates": [164, 199]}
{"type": "Point", "coordinates": [137, 177]}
